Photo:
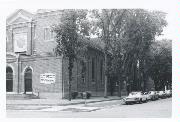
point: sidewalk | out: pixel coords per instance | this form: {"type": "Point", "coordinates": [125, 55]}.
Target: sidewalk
{"type": "Point", "coordinates": [61, 102]}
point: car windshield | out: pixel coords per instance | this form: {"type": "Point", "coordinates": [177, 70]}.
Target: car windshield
{"type": "Point", "coordinates": [151, 92]}
{"type": "Point", "coordinates": [133, 93]}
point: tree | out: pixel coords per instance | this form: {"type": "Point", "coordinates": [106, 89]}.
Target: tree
{"type": "Point", "coordinates": [161, 70]}
{"type": "Point", "coordinates": [128, 35]}
{"type": "Point", "coordinates": [107, 25]}
{"type": "Point", "coordinates": [140, 31]}
{"type": "Point", "coordinates": [70, 32]}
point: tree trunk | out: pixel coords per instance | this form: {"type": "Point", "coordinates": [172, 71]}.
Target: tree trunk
{"type": "Point", "coordinates": [70, 76]}
{"type": "Point", "coordinates": [119, 87]}
{"type": "Point", "coordinates": [105, 82]}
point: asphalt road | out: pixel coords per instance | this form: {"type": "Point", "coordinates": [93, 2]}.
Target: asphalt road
{"type": "Point", "coordinates": [161, 108]}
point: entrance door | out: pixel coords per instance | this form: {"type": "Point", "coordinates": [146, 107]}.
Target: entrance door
{"type": "Point", "coordinates": [9, 79]}
{"type": "Point", "coordinates": [28, 80]}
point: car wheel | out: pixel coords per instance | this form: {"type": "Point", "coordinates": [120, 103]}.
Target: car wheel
{"type": "Point", "coordinates": [140, 101]}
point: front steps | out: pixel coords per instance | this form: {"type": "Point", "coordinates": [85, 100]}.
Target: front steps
{"type": "Point", "coordinates": [21, 96]}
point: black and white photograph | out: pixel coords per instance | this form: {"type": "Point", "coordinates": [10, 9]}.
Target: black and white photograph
{"type": "Point", "coordinates": [88, 63]}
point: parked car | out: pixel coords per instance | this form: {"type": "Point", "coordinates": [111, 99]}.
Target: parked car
{"type": "Point", "coordinates": [161, 94]}
{"type": "Point", "coordinates": [148, 97]}
{"type": "Point", "coordinates": [135, 97]}
{"type": "Point", "coordinates": [153, 95]}
{"type": "Point", "coordinates": [168, 93]}
{"type": "Point", "coordinates": [157, 94]}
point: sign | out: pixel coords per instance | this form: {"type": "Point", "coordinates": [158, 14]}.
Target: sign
{"type": "Point", "coordinates": [20, 42]}
{"type": "Point", "coordinates": [47, 78]}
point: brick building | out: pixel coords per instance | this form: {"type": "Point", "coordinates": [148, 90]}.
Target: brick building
{"type": "Point", "coordinates": [32, 66]}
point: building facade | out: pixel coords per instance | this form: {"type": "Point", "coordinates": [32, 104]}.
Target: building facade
{"type": "Point", "coordinates": [32, 66]}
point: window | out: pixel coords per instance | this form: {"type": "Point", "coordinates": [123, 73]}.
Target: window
{"type": "Point", "coordinates": [20, 42]}
{"type": "Point", "coordinates": [83, 71]}
{"type": "Point", "coordinates": [101, 71]}
{"type": "Point", "coordinates": [93, 64]}
{"type": "Point", "coordinates": [9, 79]}
{"type": "Point", "coordinates": [48, 34]}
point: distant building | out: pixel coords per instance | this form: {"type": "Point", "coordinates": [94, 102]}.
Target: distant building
{"type": "Point", "coordinates": [32, 66]}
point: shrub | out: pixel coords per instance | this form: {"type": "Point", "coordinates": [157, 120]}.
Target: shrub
{"type": "Point", "coordinates": [74, 94]}
{"type": "Point", "coordinates": [88, 95]}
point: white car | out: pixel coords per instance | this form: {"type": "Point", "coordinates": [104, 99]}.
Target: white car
{"type": "Point", "coordinates": [135, 97]}
{"type": "Point", "coordinates": [161, 94]}
{"type": "Point", "coordinates": [168, 93]}
{"type": "Point", "coordinates": [153, 95]}
{"type": "Point", "coordinates": [148, 97]}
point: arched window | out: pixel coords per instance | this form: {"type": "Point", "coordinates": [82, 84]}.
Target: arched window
{"type": "Point", "coordinates": [28, 80]}
{"type": "Point", "coordinates": [9, 79]}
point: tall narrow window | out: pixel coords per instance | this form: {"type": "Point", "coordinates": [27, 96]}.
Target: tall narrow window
{"type": "Point", "coordinates": [20, 37]}
{"type": "Point", "coordinates": [93, 64]}
{"type": "Point", "coordinates": [101, 70]}
{"type": "Point", "coordinates": [83, 71]}
{"type": "Point", "coordinates": [48, 34]}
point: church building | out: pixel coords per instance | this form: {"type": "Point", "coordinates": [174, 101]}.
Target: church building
{"type": "Point", "coordinates": [32, 66]}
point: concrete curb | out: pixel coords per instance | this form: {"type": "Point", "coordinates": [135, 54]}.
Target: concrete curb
{"type": "Point", "coordinates": [65, 104]}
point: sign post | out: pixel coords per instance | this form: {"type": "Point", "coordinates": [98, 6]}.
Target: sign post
{"type": "Point", "coordinates": [85, 96]}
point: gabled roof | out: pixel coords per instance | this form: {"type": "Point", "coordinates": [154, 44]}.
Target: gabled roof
{"type": "Point", "coordinates": [19, 14]}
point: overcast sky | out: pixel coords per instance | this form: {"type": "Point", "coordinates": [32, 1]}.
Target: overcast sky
{"type": "Point", "coordinates": [167, 32]}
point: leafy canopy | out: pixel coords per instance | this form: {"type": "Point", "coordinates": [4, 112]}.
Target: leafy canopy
{"type": "Point", "coordinates": [70, 31]}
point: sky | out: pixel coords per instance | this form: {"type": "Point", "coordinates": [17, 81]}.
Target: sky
{"type": "Point", "coordinates": [167, 31]}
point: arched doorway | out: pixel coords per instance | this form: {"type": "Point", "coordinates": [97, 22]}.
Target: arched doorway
{"type": "Point", "coordinates": [28, 80]}
{"type": "Point", "coordinates": [9, 79]}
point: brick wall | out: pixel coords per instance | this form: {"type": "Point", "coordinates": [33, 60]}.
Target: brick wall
{"type": "Point", "coordinates": [95, 86]}
{"type": "Point", "coordinates": [13, 65]}
{"type": "Point", "coordinates": [41, 22]}
{"type": "Point", "coordinates": [39, 65]}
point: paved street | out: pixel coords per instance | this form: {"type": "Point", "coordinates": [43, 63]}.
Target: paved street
{"type": "Point", "coordinates": [158, 109]}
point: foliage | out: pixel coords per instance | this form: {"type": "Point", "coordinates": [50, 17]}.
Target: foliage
{"type": "Point", "coordinates": [70, 32]}
{"type": "Point", "coordinates": [107, 25]}
{"type": "Point", "coordinates": [88, 95]}
{"type": "Point", "coordinates": [128, 35]}
{"type": "Point", "coordinates": [141, 29]}
{"type": "Point", "coordinates": [74, 95]}
{"type": "Point", "coordinates": [161, 70]}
